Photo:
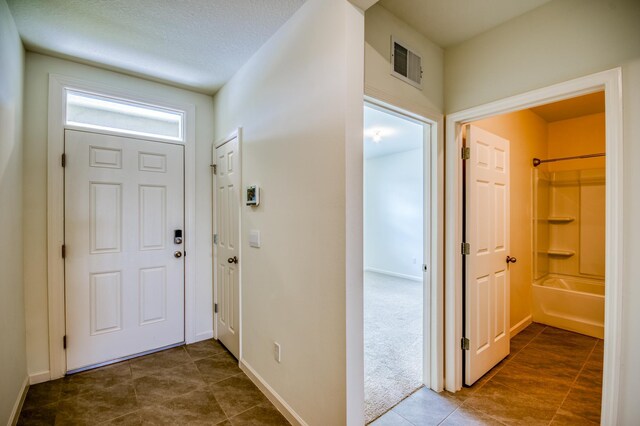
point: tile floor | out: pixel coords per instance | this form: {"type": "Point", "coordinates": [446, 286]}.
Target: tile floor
{"type": "Point", "coordinates": [551, 377]}
{"type": "Point", "coordinates": [194, 384]}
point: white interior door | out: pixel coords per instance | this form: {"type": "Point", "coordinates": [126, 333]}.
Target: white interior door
{"type": "Point", "coordinates": [487, 232]}
{"type": "Point", "coordinates": [124, 273]}
{"type": "Point", "coordinates": [227, 184]}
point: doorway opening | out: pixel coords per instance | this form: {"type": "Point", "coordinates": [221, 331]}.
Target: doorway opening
{"type": "Point", "coordinates": [534, 257]}
{"type": "Point", "coordinates": [551, 248]}
{"type": "Point", "coordinates": [396, 244]}
{"type": "Point", "coordinates": [116, 243]}
{"type": "Point", "coordinates": [124, 222]}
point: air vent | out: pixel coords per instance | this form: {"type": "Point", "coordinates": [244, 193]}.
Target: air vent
{"type": "Point", "coordinates": [406, 64]}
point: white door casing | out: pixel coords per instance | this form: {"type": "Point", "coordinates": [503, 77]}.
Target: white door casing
{"type": "Point", "coordinates": [227, 271]}
{"type": "Point", "coordinates": [487, 233]}
{"type": "Point", "coordinates": [124, 198]}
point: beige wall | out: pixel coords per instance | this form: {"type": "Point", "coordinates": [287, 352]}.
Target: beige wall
{"type": "Point", "coordinates": [37, 72]}
{"type": "Point", "coordinates": [302, 143]}
{"type": "Point", "coordinates": [380, 25]}
{"type": "Point", "coordinates": [13, 365]}
{"type": "Point", "coordinates": [577, 136]}
{"type": "Point", "coordinates": [580, 195]}
{"type": "Point", "coordinates": [527, 134]}
{"type": "Point", "coordinates": [561, 40]}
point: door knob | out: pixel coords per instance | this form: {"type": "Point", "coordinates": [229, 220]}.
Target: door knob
{"type": "Point", "coordinates": [233, 259]}
{"type": "Point", "coordinates": [511, 259]}
{"type": "Point", "coordinates": [178, 254]}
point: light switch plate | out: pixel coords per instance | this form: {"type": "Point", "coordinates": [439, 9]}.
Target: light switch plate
{"type": "Point", "coordinates": [254, 239]}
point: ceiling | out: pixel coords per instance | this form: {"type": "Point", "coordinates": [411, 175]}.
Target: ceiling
{"type": "Point", "coordinates": [571, 108]}
{"type": "Point", "coordinates": [395, 134]}
{"type": "Point", "coordinates": [449, 22]}
{"type": "Point", "coordinates": [197, 44]}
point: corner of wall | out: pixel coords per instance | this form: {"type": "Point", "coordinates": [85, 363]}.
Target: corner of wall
{"type": "Point", "coordinates": [13, 369]}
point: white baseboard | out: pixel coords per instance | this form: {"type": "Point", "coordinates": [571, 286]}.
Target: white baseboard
{"type": "Point", "coordinates": [394, 274]}
{"type": "Point", "coordinates": [41, 377]}
{"type": "Point", "coordinates": [17, 407]}
{"type": "Point", "coordinates": [521, 325]}
{"type": "Point", "coordinates": [273, 396]}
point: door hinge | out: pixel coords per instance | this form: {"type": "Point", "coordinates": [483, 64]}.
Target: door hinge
{"type": "Point", "coordinates": [424, 268]}
{"type": "Point", "coordinates": [215, 308]}
{"type": "Point", "coordinates": [64, 342]}
{"type": "Point", "coordinates": [63, 161]}
{"type": "Point", "coordinates": [466, 153]}
{"type": "Point", "coordinates": [464, 344]}
{"type": "Point", "coordinates": [214, 167]}
{"type": "Point", "coordinates": [64, 251]}
{"type": "Point", "coordinates": [465, 248]}
{"type": "Point", "coordinates": [215, 238]}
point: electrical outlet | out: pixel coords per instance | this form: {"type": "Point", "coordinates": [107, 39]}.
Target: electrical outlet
{"type": "Point", "coordinates": [276, 351]}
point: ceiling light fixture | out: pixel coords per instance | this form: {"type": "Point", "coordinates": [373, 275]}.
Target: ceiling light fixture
{"type": "Point", "coordinates": [377, 133]}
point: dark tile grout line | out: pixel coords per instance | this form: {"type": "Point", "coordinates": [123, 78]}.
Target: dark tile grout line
{"type": "Point", "coordinates": [584, 363]}
{"type": "Point", "coordinates": [132, 379]}
{"type": "Point", "coordinates": [206, 385]}
{"type": "Point", "coordinates": [462, 403]}
{"type": "Point", "coordinates": [576, 379]}
{"type": "Point", "coordinates": [506, 361]}
{"type": "Point", "coordinates": [494, 373]}
{"type": "Point", "coordinates": [398, 403]}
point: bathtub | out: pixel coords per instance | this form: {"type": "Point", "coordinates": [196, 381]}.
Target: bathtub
{"type": "Point", "coordinates": [570, 303]}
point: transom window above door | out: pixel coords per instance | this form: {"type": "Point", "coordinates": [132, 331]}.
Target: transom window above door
{"type": "Point", "coordinates": [90, 111]}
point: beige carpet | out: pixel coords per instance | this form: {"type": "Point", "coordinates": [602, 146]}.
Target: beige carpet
{"type": "Point", "coordinates": [392, 341]}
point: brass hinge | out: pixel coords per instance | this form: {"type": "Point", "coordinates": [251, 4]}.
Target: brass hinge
{"type": "Point", "coordinates": [64, 251]}
{"type": "Point", "coordinates": [464, 344]}
{"type": "Point", "coordinates": [215, 238]}
{"type": "Point", "coordinates": [214, 167]}
{"type": "Point", "coordinates": [465, 248]}
{"type": "Point", "coordinates": [64, 342]}
{"type": "Point", "coordinates": [466, 153]}
{"type": "Point", "coordinates": [63, 161]}
{"type": "Point", "coordinates": [215, 308]}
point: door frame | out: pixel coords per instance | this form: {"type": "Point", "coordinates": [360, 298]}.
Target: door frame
{"type": "Point", "coordinates": [237, 133]}
{"type": "Point", "coordinates": [55, 206]}
{"type": "Point", "coordinates": [611, 82]}
{"type": "Point", "coordinates": [433, 302]}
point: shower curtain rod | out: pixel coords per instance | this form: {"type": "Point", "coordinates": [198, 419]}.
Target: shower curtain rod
{"type": "Point", "coordinates": [537, 161]}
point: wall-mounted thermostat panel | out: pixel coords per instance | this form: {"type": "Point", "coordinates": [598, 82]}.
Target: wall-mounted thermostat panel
{"type": "Point", "coordinates": [253, 195]}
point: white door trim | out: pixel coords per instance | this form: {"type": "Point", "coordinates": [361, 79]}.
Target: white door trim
{"type": "Point", "coordinates": [55, 207]}
{"type": "Point", "coordinates": [611, 82]}
{"type": "Point", "coordinates": [433, 368]}
{"type": "Point", "coordinates": [233, 135]}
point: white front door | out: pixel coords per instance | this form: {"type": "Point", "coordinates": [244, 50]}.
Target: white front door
{"type": "Point", "coordinates": [227, 184]}
{"type": "Point", "coordinates": [124, 273]}
{"type": "Point", "coordinates": [487, 232]}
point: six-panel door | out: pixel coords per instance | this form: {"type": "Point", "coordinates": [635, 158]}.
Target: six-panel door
{"type": "Point", "coordinates": [227, 184]}
{"type": "Point", "coordinates": [124, 281]}
{"type": "Point", "coordinates": [487, 232]}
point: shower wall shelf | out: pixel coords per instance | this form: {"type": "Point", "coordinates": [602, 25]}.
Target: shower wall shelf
{"type": "Point", "coordinates": [560, 219]}
{"type": "Point", "coordinates": [561, 253]}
